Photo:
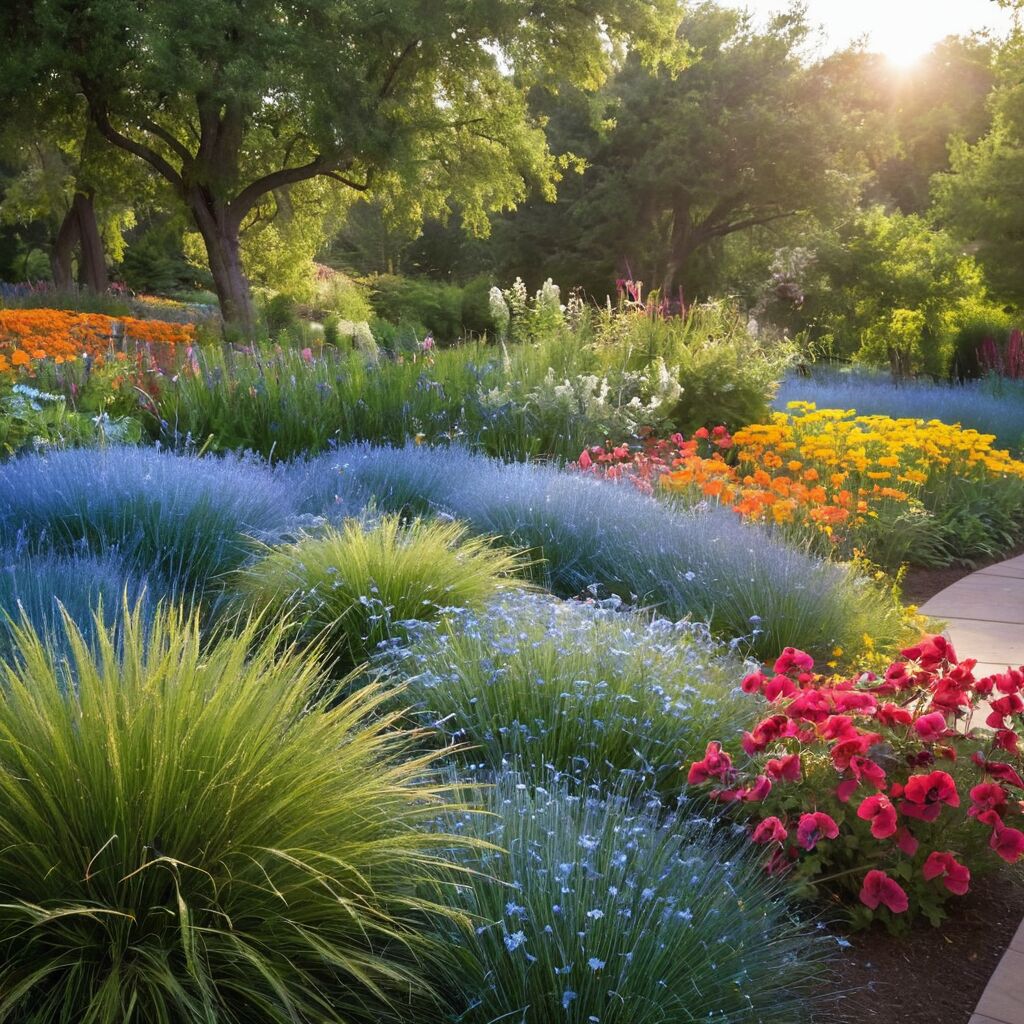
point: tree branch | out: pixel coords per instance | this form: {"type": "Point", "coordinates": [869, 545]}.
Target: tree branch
{"type": "Point", "coordinates": [750, 222]}
{"type": "Point", "coordinates": [359, 186]}
{"type": "Point", "coordinates": [396, 65]}
{"type": "Point", "coordinates": [151, 156]}
{"type": "Point", "coordinates": [249, 196]}
{"type": "Point", "coordinates": [148, 125]}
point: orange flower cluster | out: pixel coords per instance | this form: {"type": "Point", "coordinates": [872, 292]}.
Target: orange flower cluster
{"type": "Point", "coordinates": [831, 469]}
{"type": "Point", "coordinates": [27, 335]}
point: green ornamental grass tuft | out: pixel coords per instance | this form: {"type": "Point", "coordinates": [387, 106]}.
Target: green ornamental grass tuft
{"type": "Point", "coordinates": [185, 837]}
{"type": "Point", "coordinates": [358, 586]}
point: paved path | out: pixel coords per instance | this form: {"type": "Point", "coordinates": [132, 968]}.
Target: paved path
{"type": "Point", "coordinates": [985, 616]}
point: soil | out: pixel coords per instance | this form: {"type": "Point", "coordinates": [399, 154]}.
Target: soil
{"type": "Point", "coordinates": [931, 975]}
{"type": "Point", "coordinates": [921, 584]}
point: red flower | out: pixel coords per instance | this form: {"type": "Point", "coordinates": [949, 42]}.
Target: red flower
{"type": "Point", "coordinates": [998, 770]}
{"type": "Point", "coordinates": [585, 461]}
{"type": "Point", "coordinates": [771, 830]}
{"type": "Point", "coordinates": [1008, 843]}
{"type": "Point", "coordinates": [864, 768]}
{"type": "Point", "coordinates": [906, 842]}
{"type": "Point", "coordinates": [898, 677]}
{"type": "Point", "coordinates": [779, 686]}
{"type": "Point", "coordinates": [924, 795]}
{"type": "Point", "coordinates": [855, 700]}
{"type": "Point", "coordinates": [931, 727]}
{"type": "Point", "coordinates": [792, 658]}
{"type": "Point", "coordinates": [879, 888]}
{"type": "Point", "coordinates": [716, 765]}
{"type": "Point", "coordinates": [955, 876]}
{"type": "Point", "coordinates": [814, 827]}
{"type": "Point", "coordinates": [987, 796]}
{"type": "Point", "coordinates": [931, 652]}
{"type": "Point", "coordinates": [893, 714]}
{"type": "Point", "coordinates": [1008, 740]}
{"type": "Point", "coordinates": [753, 682]}
{"type": "Point", "coordinates": [811, 705]}
{"type": "Point", "coordinates": [786, 768]}
{"type": "Point", "coordinates": [879, 810]}
{"type": "Point", "coordinates": [759, 790]}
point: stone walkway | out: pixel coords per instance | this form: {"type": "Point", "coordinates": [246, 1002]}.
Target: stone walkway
{"type": "Point", "coordinates": [985, 616]}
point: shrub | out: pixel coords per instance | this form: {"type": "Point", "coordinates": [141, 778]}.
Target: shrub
{"type": "Point", "coordinates": [42, 588]}
{"type": "Point", "coordinates": [186, 838]}
{"type": "Point", "coordinates": [183, 518]}
{"type": "Point", "coordinates": [359, 586]}
{"type": "Point", "coordinates": [860, 785]}
{"type": "Point", "coordinates": [591, 691]}
{"type": "Point", "coordinates": [280, 316]}
{"type": "Point", "coordinates": [590, 536]}
{"type": "Point", "coordinates": [436, 305]}
{"type": "Point", "coordinates": [728, 376]}
{"type": "Point", "coordinates": [625, 916]}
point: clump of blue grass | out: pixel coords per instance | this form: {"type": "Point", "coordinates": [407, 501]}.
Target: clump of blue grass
{"type": "Point", "coordinates": [183, 518]}
{"type": "Point", "coordinates": [589, 536]}
{"type": "Point", "coordinates": [990, 406]}
{"type": "Point", "coordinates": [93, 590]}
{"type": "Point", "coordinates": [593, 910]}
{"type": "Point", "coordinates": [586, 689]}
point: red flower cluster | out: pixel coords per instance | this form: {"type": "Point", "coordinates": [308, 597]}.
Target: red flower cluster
{"type": "Point", "coordinates": [869, 764]}
{"type": "Point", "coordinates": [642, 463]}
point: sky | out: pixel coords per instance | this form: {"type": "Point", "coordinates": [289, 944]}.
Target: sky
{"type": "Point", "coordinates": [902, 29]}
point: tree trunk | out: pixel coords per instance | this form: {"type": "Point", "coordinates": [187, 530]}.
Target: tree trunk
{"type": "Point", "coordinates": [92, 266]}
{"type": "Point", "coordinates": [220, 235]}
{"type": "Point", "coordinates": [63, 250]}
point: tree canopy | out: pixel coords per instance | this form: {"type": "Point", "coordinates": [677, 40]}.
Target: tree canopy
{"type": "Point", "coordinates": [421, 101]}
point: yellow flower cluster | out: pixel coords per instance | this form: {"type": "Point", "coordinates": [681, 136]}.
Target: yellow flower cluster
{"type": "Point", "coordinates": [831, 469]}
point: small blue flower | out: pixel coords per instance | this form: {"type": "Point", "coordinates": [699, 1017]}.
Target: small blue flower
{"type": "Point", "coordinates": [594, 964]}
{"type": "Point", "coordinates": [514, 941]}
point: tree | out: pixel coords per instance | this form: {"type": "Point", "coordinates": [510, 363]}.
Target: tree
{"type": "Point", "coordinates": [746, 136]}
{"type": "Point", "coordinates": [887, 289]}
{"type": "Point", "coordinates": [418, 101]}
{"type": "Point", "coordinates": [981, 199]}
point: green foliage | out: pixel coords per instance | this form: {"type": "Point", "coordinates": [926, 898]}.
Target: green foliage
{"type": "Point", "coordinates": [338, 294]}
{"type": "Point", "coordinates": [628, 916]}
{"type": "Point", "coordinates": [188, 838]}
{"type": "Point", "coordinates": [542, 684]}
{"type": "Point", "coordinates": [889, 290]}
{"type": "Point", "coordinates": [280, 315]}
{"type": "Point", "coordinates": [980, 196]}
{"type": "Point", "coordinates": [436, 305]}
{"type": "Point", "coordinates": [154, 261]}
{"type": "Point", "coordinates": [355, 588]}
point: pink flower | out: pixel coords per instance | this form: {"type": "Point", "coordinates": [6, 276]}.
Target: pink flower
{"type": "Point", "coordinates": [931, 727]}
{"type": "Point", "coordinates": [585, 461]}
{"type": "Point", "coordinates": [880, 889]}
{"type": "Point", "coordinates": [307, 354]}
{"type": "Point", "coordinates": [771, 830]}
{"type": "Point", "coordinates": [879, 810]}
{"type": "Point", "coordinates": [955, 876]}
{"type": "Point", "coordinates": [814, 827]}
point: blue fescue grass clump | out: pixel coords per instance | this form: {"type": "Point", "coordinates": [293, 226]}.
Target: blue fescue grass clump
{"type": "Point", "coordinates": [593, 910]}
{"type": "Point", "coordinates": [184, 519]}
{"type": "Point", "coordinates": [584, 689]}
{"type": "Point", "coordinates": [597, 537]}
{"type": "Point", "coordinates": [992, 407]}
{"type": "Point", "coordinates": [90, 589]}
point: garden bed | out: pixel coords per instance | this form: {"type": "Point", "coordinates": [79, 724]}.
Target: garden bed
{"type": "Point", "coordinates": [885, 977]}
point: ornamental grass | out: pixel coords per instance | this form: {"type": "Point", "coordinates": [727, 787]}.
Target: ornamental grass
{"type": "Point", "coordinates": [185, 835]}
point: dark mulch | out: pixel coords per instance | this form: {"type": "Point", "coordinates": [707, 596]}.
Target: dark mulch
{"type": "Point", "coordinates": [921, 584]}
{"type": "Point", "coordinates": [931, 975]}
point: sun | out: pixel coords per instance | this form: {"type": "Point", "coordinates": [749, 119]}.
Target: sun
{"type": "Point", "coordinates": [902, 51]}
